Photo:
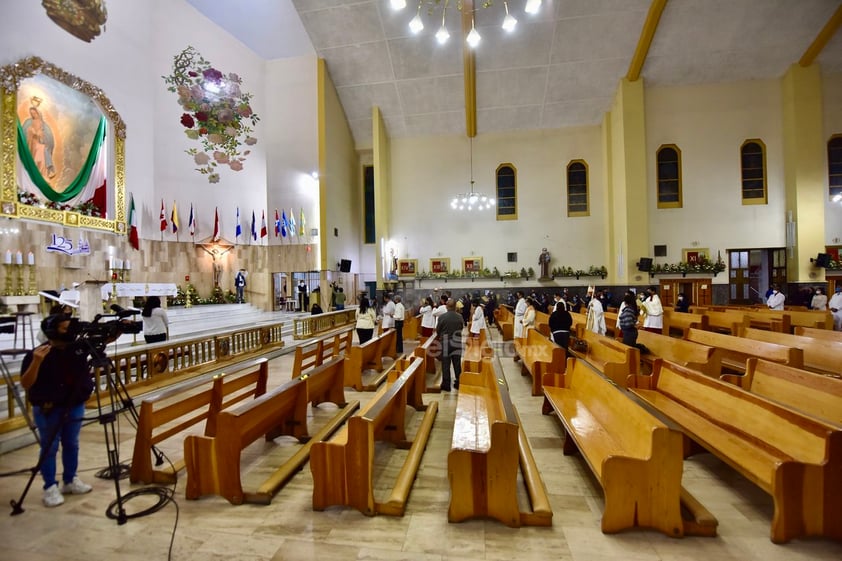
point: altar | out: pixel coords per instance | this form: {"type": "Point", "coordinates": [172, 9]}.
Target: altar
{"type": "Point", "coordinates": [135, 289]}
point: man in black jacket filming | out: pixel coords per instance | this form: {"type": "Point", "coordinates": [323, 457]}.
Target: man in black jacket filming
{"type": "Point", "coordinates": [58, 382]}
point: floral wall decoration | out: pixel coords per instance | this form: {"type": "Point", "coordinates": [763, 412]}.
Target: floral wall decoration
{"type": "Point", "coordinates": [217, 113]}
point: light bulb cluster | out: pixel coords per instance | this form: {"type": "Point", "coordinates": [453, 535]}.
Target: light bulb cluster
{"type": "Point", "coordinates": [416, 24]}
{"type": "Point", "coordinates": [472, 201]}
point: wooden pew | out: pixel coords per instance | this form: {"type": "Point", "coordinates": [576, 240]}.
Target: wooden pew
{"type": "Point", "coordinates": [481, 468]}
{"type": "Point", "coordinates": [213, 463]}
{"type": "Point", "coordinates": [679, 322]}
{"type": "Point", "coordinates": [795, 458]}
{"type": "Point", "coordinates": [539, 357]}
{"type": "Point", "coordinates": [636, 458]}
{"type": "Point", "coordinates": [814, 319]}
{"type": "Point", "coordinates": [505, 320]}
{"type": "Point", "coordinates": [612, 358]}
{"type": "Point", "coordinates": [813, 394]}
{"type": "Point", "coordinates": [824, 334]}
{"type": "Point", "coordinates": [412, 328]}
{"type": "Point", "coordinates": [611, 329]}
{"type": "Point", "coordinates": [580, 322]}
{"type": "Point", "coordinates": [703, 358]}
{"type": "Point", "coordinates": [368, 355]}
{"type": "Point", "coordinates": [430, 350]}
{"type": "Point", "coordinates": [474, 350]}
{"type": "Point", "coordinates": [735, 350]}
{"type": "Point", "coordinates": [779, 322]}
{"type": "Point", "coordinates": [186, 407]}
{"type": "Point", "coordinates": [729, 322]}
{"type": "Point", "coordinates": [542, 323]}
{"type": "Point", "coordinates": [318, 352]}
{"type": "Point", "coordinates": [824, 357]}
{"type": "Point", "coordinates": [343, 467]}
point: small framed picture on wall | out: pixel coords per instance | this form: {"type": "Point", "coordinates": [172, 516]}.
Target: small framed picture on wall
{"type": "Point", "coordinates": [440, 265]}
{"type": "Point", "coordinates": [407, 267]}
{"type": "Point", "coordinates": [472, 264]}
{"type": "Point", "coordinates": [695, 255]}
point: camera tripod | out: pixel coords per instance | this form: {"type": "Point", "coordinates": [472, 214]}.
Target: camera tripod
{"type": "Point", "coordinates": [118, 401]}
{"type": "Point", "coordinates": [14, 389]}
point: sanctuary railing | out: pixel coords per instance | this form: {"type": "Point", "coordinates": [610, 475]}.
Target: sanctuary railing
{"type": "Point", "coordinates": [306, 327]}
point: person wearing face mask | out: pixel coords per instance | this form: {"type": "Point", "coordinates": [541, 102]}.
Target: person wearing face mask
{"type": "Point", "coordinates": [835, 306]}
{"type": "Point", "coordinates": [819, 301]}
{"type": "Point", "coordinates": [682, 304]}
{"type": "Point", "coordinates": [776, 299]}
{"type": "Point", "coordinates": [58, 382]}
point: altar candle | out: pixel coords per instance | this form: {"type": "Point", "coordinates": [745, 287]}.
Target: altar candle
{"type": "Point", "coordinates": [127, 265]}
{"type": "Point", "coordinates": [119, 264]}
{"type": "Point", "coordinates": [19, 258]}
{"type": "Point", "coordinates": [8, 257]}
{"type": "Point", "coordinates": [30, 258]}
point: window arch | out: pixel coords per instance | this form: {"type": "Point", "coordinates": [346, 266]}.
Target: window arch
{"type": "Point", "coordinates": [670, 194]}
{"type": "Point", "coordinates": [753, 164]}
{"type": "Point", "coordinates": [506, 175]}
{"type": "Point", "coordinates": [834, 165]}
{"type": "Point", "coordinates": [578, 200]}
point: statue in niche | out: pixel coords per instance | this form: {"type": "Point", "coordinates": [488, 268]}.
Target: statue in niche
{"type": "Point", "coordinates": [544, 262]}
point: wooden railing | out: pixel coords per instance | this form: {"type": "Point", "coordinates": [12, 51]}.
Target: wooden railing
{"type": "Point", "coordinates": [311, 326]}
{"type": "Point", "coordinates": [146, 368]}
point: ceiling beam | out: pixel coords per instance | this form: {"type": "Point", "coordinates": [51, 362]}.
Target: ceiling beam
{"type": "Point", "coordinates": [822, 39]}
{"type": "Point", "coordinates": [470, 70]}
{"type": "Point", "coordinates": [650, 26]}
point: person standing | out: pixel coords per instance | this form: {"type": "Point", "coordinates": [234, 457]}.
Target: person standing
{"type": "Point", "coordinates": [400, 315]}
{"type": "Point", "coordinates": [442, 307]}
{"type": "Point", "coordinates": [449, 330]}
{"type": "Point", "coordinates": [819, 301]}
{"type": "Point", "coordinates": [58, 381]}
{"type": "Point", "coordinates": [339, 299]}
{"type": "Point", "coordinates": [654, 320]}
{"type": "Point", "coordinates": [776, 299]}
{"type": "Point", "coordinates": [240, 284]}
{"type": "Point", "coordinates": [682, 303]}
{"type": "Point", "coordinates": [596, 315]}
{"type": "Point", "coordinates": [428, 322]}
{"type": "Point", "coordinates": [560, 322]}
{"type": "Point", "coordinates": [520, 309]}
{"type": "Point", "coordinates": [156, 325]}
{"type": "Point", "coordinates": [528, 316]}
{"type": "Point", "coordinates": [478, 319]}
{"type": "Point", "coordinates": [366, 319]}
{"type": "Point", "coordinates": [302, 295]}
{"type": "Point", "coordinates": [388, 312]}
{"type": "Point", "coordinates": [835, 306]}
{"type": "Point", "coordinates": [628, 320]}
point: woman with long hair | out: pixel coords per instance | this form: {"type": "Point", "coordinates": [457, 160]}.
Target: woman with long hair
{"type": "Point", "coordinates": [365, 320]}
{"type": "Point", "coordinates": [156, 326]}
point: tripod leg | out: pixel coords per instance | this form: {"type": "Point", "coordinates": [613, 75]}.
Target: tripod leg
{"type": "Point", "coordinates": [15, 390]}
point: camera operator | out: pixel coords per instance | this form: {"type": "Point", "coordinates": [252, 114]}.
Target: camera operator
{"type": "Point", "coordinates": [58, 382]}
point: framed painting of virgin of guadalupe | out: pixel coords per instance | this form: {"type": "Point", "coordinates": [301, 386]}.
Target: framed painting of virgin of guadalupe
{"type": "Point", "coordinates": [68, 161]}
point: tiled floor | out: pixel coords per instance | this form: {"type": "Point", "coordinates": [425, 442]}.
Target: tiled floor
{"type": "Point", "coordinates": [289, 529]}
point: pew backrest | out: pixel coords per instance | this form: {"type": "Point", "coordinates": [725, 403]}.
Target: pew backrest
{"type": "Point", "coordinates": [816, 333]}
{"type": "Point", "coordinates": [735, 350]}
{"type": "Point", "coordinates": [819, 355]}
{"type": "Point", "coordinates": [704, 358]}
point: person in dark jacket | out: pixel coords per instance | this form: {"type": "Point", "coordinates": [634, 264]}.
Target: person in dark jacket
{"type": "Point", "coordinates": [628, 320]}
{"type": "Point", "coordinates": [560, 322]}
{"type": "Point", "coordinates": [449, 330]}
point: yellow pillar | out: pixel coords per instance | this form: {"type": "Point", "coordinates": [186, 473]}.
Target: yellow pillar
{"type": "Point", "coordinates": [382, 191]}
{"type": "Point", "coordinates": [804, 170]}
{"type": "Point", "coordinates": [624, 144]}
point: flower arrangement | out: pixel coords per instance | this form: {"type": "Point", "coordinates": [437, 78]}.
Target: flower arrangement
{"type": "Point", "coordinates": [216, 113]}
{"type": "Point", "coordinates": [703, 266]}
{"type": "Point", "coordinates": [86, 208]}
{"type": "Point", "coordinates": [592, 271]}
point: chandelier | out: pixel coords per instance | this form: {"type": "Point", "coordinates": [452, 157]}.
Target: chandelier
{"type": "Point", "coordinates": [416, 24]}
{"type": "Point", "coordinates": [472, 200]}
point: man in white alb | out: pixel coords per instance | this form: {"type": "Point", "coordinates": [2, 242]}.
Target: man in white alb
{"type": "Point", "coordinates": [388, 312]}
{"type": "Point", "coordinates": [776, 299]}
{"type": "Point", "coordinates": [520, 309]}
{"type": "Point", "coordinates": [654, 320]}
{"type": "Point", "coordinates": [835, 306]}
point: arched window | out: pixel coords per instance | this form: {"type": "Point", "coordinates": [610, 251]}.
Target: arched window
{"type": "Point", "coordinates": [669, 176]}
{"type": "Point", "coordinates": [506, 192]}
{"type": "Point", "coordinates": [577, 189]}
{"type": "Point", "coordinates": [753, 163]}
{"type": "Point", "coordinates": [834, 165]}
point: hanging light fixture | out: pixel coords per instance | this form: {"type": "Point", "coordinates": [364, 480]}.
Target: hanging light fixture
{"type": "Point", "coordinates": [509, 22]}
{"type": "Point", "coordinates": [473, 37]}
{"type": "Point", "coordinates": [415, 24]}
{"type": "Point", "coordinates": [472, 200]}
{"type": "Point", "coordinates": [442, 35]}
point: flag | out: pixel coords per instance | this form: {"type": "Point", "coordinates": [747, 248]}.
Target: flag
{"type": "Point", "coordinates": [292, 231]}
{"type": "Point", "coordinates": [301, 225]}
{"type": "Point", "coordinates": [163, 217]}
{"type": "Point", "coordinates": [191, 224]}
{"type": "Point", "coordinates": [263, 231]}
{"type": "Point", "coordinates": [284, 223]}
{"type": "Point", "coordinates": [174, 218]}
{"type": "Point", "coordinates": [133, 239]}
{"type": "Point", "coordinates": [216, 224]}
{"type": "Point", "coordinates": [253, 227]}
{"type": "Point", "coordinates": [277, 224]}
{"type": "Point", "coordinates": [239, 231]}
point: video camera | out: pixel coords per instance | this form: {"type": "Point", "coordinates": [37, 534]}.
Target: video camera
{"type": "Point", "coordinates": [96, 334]}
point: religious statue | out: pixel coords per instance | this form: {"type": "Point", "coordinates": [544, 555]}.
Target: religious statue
{"type": "Point", "coordinates": [544, 262]}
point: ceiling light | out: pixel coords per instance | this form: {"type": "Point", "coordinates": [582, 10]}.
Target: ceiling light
{"type": "Point", "coordinates": [509, 22]}
{"type": "Point", "coordinates": [473, 36]}
{"type": "Point", "coordinates": [398, 4]}
{"type": "Point", "coordinates": [442, 35]}
{"type": "Point", "coordinates": [415, 24]}
{"type": "Point", "coordinates": [472, 200]}
{"type": "Point", "coordinates": [532, 6]}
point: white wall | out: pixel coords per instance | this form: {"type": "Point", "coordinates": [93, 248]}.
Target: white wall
{"type": "Point", "coordinates": [709, 124]}
{"type": "Point", "coordinates": [832, 98]}
{"type": "Point", "coordinates": [427, 172]}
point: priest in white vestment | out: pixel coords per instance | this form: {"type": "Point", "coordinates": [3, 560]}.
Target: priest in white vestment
{"type": "Point", "coordinates": [654, 318]}
{"type": "Point", "coordinates": [596, 315]}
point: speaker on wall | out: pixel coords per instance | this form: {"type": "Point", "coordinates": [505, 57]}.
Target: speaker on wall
{"type": "Point", "coordinates": [345, 266]}
{"type": "Point", "coordinates": [644, 264]}
{"type": "Point", "coordinates": [823, 260]}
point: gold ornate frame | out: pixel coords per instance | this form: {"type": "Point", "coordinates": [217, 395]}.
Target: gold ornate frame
{"type": "Point", "coordinates": [407, 267]}
{"type": "Point", "coordinates": [441, 263]}
{"type": "Point", "coordinates": [474, 263]}
{"type": "Point", "coordinates": [10, 78]}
